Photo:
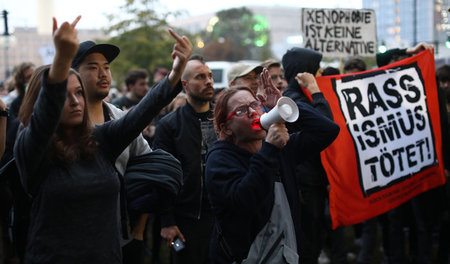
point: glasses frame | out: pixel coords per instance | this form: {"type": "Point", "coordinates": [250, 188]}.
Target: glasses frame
{"type": "Point", "coordinates": [248, 106]}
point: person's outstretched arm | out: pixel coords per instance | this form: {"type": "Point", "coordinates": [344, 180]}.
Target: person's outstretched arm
{"type": "Point", "coordinates": [32, 143]}
{"type": "Point", "coordinates": [129, 126]}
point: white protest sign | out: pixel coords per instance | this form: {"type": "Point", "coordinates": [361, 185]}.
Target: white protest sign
{"type": "Point", "coordinates": [340, 32]}
{"type": "Point", "coordinates": [387, 116]}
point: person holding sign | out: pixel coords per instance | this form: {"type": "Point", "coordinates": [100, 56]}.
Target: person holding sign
{"type": "Point", "coordinates": [393, 55]}
{"type": "Point", "coordinates": [443, 81]}
{"type": "Point", "coordinates": [310, 174]}
{"type": "Point", "coordinates": [250, 170]}
{"type": "Point", "coordinates": [420, 212]}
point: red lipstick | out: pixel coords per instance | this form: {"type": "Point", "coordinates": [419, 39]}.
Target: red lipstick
{"type": "Point", "coordinates": [256, 124]}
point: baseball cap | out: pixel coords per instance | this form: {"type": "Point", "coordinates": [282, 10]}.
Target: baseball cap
{"type": "Point", "coordinates": [241, 69]}
{"type": "Point", "coordinates": [87, 47]}
{"type": "Point", "coordinates": [270, 63]}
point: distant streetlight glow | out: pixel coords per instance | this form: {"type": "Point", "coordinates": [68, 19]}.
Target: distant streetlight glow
{"type": "Point", "coordinates": [211, 23]}
{"type": "Point", "coordinates": [382, 48]}
{"type": "Point", "coordinates": [447, 43]}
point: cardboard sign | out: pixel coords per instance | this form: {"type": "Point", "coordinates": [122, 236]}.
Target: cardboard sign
{"type": "Point", "coordinates": [389, 147]}
{"type": "Point", "coordinates": [340, 33]}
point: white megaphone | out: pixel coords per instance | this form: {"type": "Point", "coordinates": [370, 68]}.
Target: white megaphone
{"type": "Point", "coordinates": [285, 110]}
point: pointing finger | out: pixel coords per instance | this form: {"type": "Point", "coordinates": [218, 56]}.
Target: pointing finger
{"type": "Point", "coordinates": [55, 25]}
{"type": "Point", "coordinates": [175, 35]}
{"type": "Point", "coordinates": [75, 22]}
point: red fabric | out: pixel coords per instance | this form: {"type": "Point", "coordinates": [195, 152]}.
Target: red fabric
{"type": "Point", "coordinates": [351, 201]}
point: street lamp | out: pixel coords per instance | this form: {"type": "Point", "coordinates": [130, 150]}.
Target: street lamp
{"type": "Point", "coordinates": [6, 37]}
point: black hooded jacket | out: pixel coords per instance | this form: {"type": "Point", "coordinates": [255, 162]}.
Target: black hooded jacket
{"type": "Point", "coordinates": [240, 184]}
{"type": "Point", "coordinates": [298, 60]}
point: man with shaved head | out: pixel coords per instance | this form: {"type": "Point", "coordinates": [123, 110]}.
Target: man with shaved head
{"type": "Point", "coordinates": [187, 133]}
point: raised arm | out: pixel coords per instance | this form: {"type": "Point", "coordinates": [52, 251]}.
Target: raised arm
{"type": "Point", "coordinates": [419, 47]}
{"type": "Point", "coordinates": [128, 127]}
{"type": "Point", "coordinates": [31, 147]}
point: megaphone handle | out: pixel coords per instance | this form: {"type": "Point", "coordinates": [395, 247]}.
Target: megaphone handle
{"type": "Point", "coordinates": [307, 93]}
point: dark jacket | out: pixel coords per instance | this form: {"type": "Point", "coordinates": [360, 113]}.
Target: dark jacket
{"type": "Point", "coordinates": [123, 102]}
{"type": "Point", "coordinates": [180, 134]}
{"type": "Point", "coordinates": [15, 105]}
{"type": "Point", "coordinates": [75, 206]}
{"type": "Point", "coordinates": [298, 60]}
{"type": "Point", "coordinates": [240, 183]}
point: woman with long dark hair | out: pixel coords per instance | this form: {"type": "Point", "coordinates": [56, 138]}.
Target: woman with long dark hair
{"type": "Point", "coordinates": [67, 165]}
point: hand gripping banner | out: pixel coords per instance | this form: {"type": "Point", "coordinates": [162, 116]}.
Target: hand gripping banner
{"type": "Point", "coordinates": [389, 148]}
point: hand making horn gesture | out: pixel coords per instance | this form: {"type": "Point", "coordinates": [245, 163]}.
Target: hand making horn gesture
{"type": "Point", "coordinates": [65, 38]}
{"type": "Point", "coordinates": [180, 54]}
{"type": "Point", "coordinates": [66, 43]}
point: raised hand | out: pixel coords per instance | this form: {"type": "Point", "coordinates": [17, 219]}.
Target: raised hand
{"type": "Point", "coordinates": [420, 47]}
{"type": "Point", "coordinates": [66, 43]}
{"type": "Point", "coordinates": [65, 38]}
{"type": "Point", "coordinates": [270, 93]}
{"type": "Point", "coordinates": [308, 81]}
{"type": "Point", "coordinates": [181, 52]}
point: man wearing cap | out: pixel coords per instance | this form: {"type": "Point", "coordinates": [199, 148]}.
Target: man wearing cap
{"type": "Point", "coordinates": [276, 73]}
{"type": "Point", "coordinates": [92, 61]}
{"type": "Point", "coordinates": [242, 74]}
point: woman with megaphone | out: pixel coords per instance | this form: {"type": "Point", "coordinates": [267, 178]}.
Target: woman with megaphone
{"type": "Point", "coordinates": [250, 173]}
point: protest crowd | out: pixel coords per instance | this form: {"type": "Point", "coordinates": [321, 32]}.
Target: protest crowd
{"type": "Point", "coordinates": [91, 176]}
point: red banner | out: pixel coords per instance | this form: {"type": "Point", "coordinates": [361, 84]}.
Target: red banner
{"type": "Point", "coordinates": [389, 146]}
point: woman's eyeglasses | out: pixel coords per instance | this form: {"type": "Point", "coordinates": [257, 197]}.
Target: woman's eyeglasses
{"type": "Point", "coordinates": [244, 109]}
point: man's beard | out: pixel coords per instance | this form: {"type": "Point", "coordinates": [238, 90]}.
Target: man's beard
{"type": "Point", "coordinates": [99, 96]}
{"type": "Point", "coordinates": [199, 98]}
